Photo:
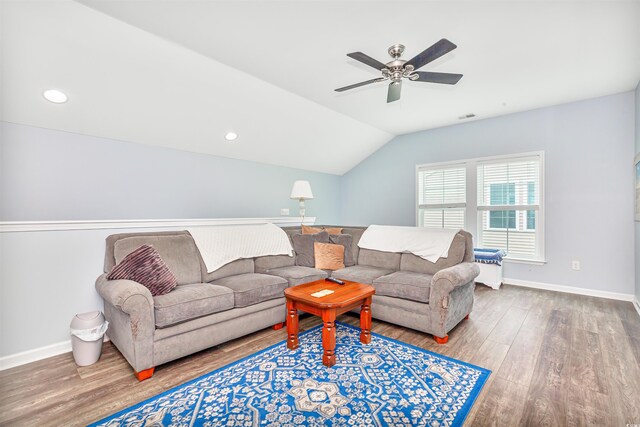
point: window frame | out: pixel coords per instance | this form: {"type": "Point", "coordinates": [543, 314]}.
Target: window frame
{"type": "Point", "coordinates": [526, 215]}
{"type": "Point", "coordinates": [439, 206]}
{"type": "Point", "coordinates": [473, 214]}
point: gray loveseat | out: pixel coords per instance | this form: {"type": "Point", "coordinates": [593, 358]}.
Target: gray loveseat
{"type": "Point", "coordinates": [246, 295]}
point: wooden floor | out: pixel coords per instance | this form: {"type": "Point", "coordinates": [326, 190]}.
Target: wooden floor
{"type": "Point", "coordinates": [557, 359]}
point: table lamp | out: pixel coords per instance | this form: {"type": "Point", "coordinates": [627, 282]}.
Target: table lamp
{"type": "Point", "coordinates": [301, 190]}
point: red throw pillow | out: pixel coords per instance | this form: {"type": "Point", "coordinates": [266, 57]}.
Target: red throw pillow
{"type": "Point", "coordinates": [145, 266]}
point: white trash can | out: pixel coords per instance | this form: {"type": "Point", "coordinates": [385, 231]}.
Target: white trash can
{"type": "Point", "coordinates": [87, 330]}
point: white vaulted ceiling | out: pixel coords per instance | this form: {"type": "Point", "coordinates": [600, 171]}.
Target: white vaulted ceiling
{"type": "Point", "coordinates": [181, 74]}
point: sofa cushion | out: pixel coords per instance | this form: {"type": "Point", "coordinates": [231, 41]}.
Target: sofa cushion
{"type": "Point", "coordinates": [303, 246]}
{"type": "Point", "coordinates": [265, 263]}
{"type": "Point", "coordinates": [239, 266]}
{"type": "Point", "coordinates": [332, 230]}
{"type": "Point", "coordinates": [388, 260]}
{"type": "Point", "coordinates": [179, 252]}
{"type": "Point", "coordinates": [252, 288]}
{"type": "Point", "coordinates": [292, 230]}
{"type": "Point", "coordinates": [345, 240]}
{"type": "Point", "coordinates": [305, 229]}
{"type": "Point", "coordinates": [356, 234]}
{"type": "Point", "coordinates": [361, 273]}
{"type": "Point", "coordinates": [145, 266]}
{"type": "Point", "coordinates": [187, 302]}
{"type": "Point", "coordinates": [328, 256]}
{"type": "Point", "coordinates": [411, 262]}
{"type": "Point", "coordinates": [297, 275]}
{"type": "Point", "coordinates": [110, 241]}
{"type": "Point", "coordinates": [313, 230]}
{"type": "Point", "coordinates": [405, 285]}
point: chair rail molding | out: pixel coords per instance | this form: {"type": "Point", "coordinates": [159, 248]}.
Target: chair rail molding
{"type": "Point", "coordinates": [24, 226]}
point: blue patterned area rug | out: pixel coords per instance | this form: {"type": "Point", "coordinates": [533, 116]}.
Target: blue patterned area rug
{"type": "Point", "coordinates": [385, 383]}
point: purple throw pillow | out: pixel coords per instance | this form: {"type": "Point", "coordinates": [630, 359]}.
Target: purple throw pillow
{"type": "Point", "coordinates": [145, 266]}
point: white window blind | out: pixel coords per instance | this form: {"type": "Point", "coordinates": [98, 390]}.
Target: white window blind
{"type": "Point", "coordinates": [509, 194]}
{"type": "Point", "coordinates": [505, 212]}
{"type": "Point", "coordinates": [442, 196]}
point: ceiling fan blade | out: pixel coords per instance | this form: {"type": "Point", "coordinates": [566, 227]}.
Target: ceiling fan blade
{"type": "Point", "coordinates": [394, 91]}
{"type": "Point", "coordinates": [353, 86]}
{"type": "Point", "coordinates": [444, 78]}
{"type": "Point", "coordinates": [432, 53]}
{"type": "Point", "coordinates": [366, 59]}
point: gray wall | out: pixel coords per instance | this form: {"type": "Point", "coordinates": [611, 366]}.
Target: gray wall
{"type": "Point", "coordinates": [589, 210]}
{"type": "Point", "coordinates": [53, 175]}
{"type": "Point", "coordinates": [637, 224]}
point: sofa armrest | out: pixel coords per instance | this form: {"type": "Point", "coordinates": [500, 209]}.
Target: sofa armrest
{"type": "Point", "coordinates": [129, 308]}
{"type": "Point", "coordinates": [448, 279]}
{"type": "Point", "coordinates": [129, 296]}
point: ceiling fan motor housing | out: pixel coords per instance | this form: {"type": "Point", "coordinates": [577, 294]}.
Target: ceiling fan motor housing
{"type": "Point", "coordinates": [397, 69]}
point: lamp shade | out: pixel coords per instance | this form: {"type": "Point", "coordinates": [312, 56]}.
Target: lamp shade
{"type": "Point", "coordinates": [301, 190]}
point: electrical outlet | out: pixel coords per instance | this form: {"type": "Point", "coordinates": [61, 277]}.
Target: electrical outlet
{"type": "Point", "coordinates": [284, 211]}
{"type": "Point", "coordinates": [575, 265]}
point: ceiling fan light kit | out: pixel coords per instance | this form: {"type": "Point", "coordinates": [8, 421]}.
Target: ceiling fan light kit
{"type": "Point", "coordinates": [398, 69]}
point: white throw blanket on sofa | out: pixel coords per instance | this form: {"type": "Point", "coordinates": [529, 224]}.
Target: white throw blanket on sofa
{"type": "Point", "coordinates": [427, 243]}
{"type": "Point", "coordinates": [219, 245]}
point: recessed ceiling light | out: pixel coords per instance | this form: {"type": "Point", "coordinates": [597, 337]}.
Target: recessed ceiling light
{"type": "Point", "coordinates": [231, 136]}
{"type": "Point", "coordinates": [55, 96]}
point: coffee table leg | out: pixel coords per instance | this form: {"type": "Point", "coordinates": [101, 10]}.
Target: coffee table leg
{"type": "Point", "coordinates": [329, 337]}
{"type": "Point", "coordinates": [365, 321]}
{"type": "Point", "coordinates": [292, 325]}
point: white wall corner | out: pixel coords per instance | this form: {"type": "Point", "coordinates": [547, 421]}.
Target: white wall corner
{"type": "Point", "coordinates": [571, 290]}
{"type": "Point", "coordinates": [636, 304]}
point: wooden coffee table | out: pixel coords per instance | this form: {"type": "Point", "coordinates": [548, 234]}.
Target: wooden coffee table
{"type": "Point", "coordinates": [344, 298]}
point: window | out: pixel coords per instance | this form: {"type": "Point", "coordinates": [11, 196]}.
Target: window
{"type": "Point", "coordinates": [508, 205]}
{"type": "Point", "coordinates": [502, 194]}
{"type": "Point", "coordinates": [506, 211]}
{"type": "Point", "coordinates": [442, 196]}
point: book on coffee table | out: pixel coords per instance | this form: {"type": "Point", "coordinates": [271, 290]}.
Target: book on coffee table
{"type": "Point", "coordinates": [322, 293]}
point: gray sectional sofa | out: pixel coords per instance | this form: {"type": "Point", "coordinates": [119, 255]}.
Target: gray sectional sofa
{"type": "Point", "coordinates": [246, 295]}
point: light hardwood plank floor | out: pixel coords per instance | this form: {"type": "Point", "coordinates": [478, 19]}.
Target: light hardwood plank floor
{"type": "Point", "coordinates": [556, 359]}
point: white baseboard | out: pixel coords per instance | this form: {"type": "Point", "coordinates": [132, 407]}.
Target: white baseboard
{"type": "Point", "coordinates": [636, 304]}
{"type": "Point", "coordinates": [570, 289]}
{"type": "Point", "coordinates": [29, 356]}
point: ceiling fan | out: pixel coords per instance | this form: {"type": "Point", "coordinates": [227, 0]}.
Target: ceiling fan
{"type": "Point", "coordinates": [397, 69]}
